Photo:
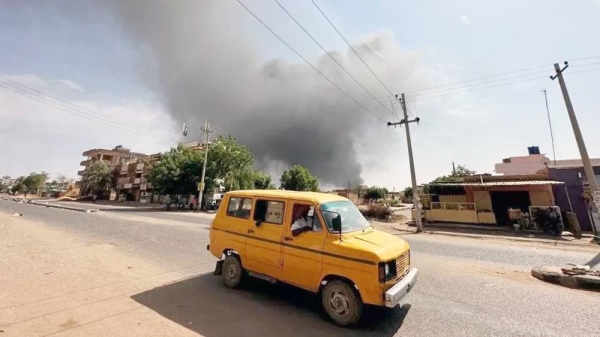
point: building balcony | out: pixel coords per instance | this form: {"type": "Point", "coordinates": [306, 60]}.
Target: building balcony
{"type": "Point", "coordinates": [81, 173]}
{"type": "Point", "coordinates": [137, 181]}
{"type": "Point", "coordinates": [85, 162]}
{"type": "Point", "coordinates": [122, 181]}
{"type": "Point", "coordinates": [139, 167]}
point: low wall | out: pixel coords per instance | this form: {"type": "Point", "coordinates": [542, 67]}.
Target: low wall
{"type": "Point", "coordinates": [445, 215]}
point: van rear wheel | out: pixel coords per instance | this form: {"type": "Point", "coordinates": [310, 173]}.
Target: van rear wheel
{"type": "Point", "coordinates": [341, 303]}
{"type": "Point", "coordinates": [232, 272]}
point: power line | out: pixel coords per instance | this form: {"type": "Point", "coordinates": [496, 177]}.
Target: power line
{"type": "Point", "coordinates": [478, 79]}
{"type": "Point", "coordinates": [478, 84]}
{"type": "Point", "coordinates": [305, 60]}
{"type": "Point", "coordinates": [506, 73]}
{"type": "Point", "coordinates": [75, 112]}
{"type": "Point", "coordinates": [43, 95]}
{"type": "Point", "coordinates": [332, 58]}
{"type": "Point", "coordinates": [352, 48]}
{"type": "Point", "coordinates": [584, 58]}
{"type": "Point", "coordinates": [499, 85]}
{"type": "Point", "coordinates": [491, 86]}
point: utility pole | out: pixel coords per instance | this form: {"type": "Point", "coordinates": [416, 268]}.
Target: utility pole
{"type": "Point", "coordinates": [453, 169]}
{"type": "Point", "coordinates": [207, 131]}
{"type": "Point", "coordinates": [413, 176]}
{"type": "Point", "coordinates": [585, 158]}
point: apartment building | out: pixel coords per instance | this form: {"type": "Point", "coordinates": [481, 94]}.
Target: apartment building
{"type": "Point", "coordinates": [132, 170]}
{"type": "Point", "coordinates": [114, 157]}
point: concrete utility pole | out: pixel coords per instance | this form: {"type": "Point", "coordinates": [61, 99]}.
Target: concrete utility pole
{"type": "Point", "coordinates": [585, 158]}
{"type": "Point", "coordinates": [413, 175]}
{"type": "Point", "coordinates": [207, 131]}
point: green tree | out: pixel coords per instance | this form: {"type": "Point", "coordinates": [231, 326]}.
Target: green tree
{"type": "Point", "coordinates": [408, 192]}
{"type": "Point", "coordinates": [456, 176]}
{"type": "Point", "coordinates": [97, 178]}
{"type": "Point", "coordinates": [298, 178]}
{"type": "Point", "coordinates": [19, 186]}
{"type": "Point", "coordinates": [262, 181]}
{"type": "Point", "coordinates": [227, 159]}
{"type": "Point", "coordinates": [375, 193]}
{"type": "Point", "coordinates": [35, 181]}
{"type": "Point", "coordinates": [360, 191]}
{"type": "Point", "coordinates": [178, 171]}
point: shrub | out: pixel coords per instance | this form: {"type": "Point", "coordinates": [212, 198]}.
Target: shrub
{"type": "Point", "coordinates": [376, 211]}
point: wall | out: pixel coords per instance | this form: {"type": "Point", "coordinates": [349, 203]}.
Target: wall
{"type": "Point", "coordinates": [445, 215]}
{"type": "Point", "coordinates": [575, 191]}
{"type": "Point", "coordinates": [482, 200]}
{"type": "Point", "coordinates": [524, 165]}
{"type": "Point", "coordinates": [541, 198]}
{"type": "Point", "coordinates": [453, 198]}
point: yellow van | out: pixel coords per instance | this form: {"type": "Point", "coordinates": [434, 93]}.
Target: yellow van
{"type": "Point", "coordinates": [316, 241]}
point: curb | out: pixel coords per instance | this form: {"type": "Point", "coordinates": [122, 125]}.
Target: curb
{"type": "Point", "coordinates": [83, 210]}
{"type": "Point", "coordinates": [555, 275]}
{"type": "Point", "coordinates": [506, 238]}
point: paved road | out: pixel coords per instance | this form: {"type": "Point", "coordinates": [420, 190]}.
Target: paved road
{"type": "Point", "coordinates": [466, 288]}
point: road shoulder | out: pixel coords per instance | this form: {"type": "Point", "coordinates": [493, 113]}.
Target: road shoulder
{"type": "Point", "coordinates": [54, 282]}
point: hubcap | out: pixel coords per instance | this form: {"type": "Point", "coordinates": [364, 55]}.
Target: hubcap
{"type": "Point", "coordinates": [232, 271]}
{"type": "Point", "coordinates": [339, 303]}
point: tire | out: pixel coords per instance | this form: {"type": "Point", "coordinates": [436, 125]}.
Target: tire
{"type": "Point", "coordinates": [232, 272]}
{"type": "Point", "coordinates": [341, 303]}
{"type": "Point", "coordinates": [559, 229]}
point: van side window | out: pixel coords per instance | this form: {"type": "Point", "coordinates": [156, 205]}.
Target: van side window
{"type": "Point", "coordinates": [239, 207]}
{"type": "Point", "coordinates": [269, 211]}
{"type": "Point", "coordinates": [314, 219]}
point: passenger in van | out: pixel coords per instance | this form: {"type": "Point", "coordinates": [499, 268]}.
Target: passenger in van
{"type": "Point", "coordinates": [301, 223]}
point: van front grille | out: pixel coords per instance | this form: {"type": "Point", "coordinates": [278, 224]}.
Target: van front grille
{"type": "Point", "coordinates": [402, 264]}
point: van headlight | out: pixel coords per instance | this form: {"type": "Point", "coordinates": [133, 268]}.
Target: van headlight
{"type": "Point", "coordinates": [387, 271]}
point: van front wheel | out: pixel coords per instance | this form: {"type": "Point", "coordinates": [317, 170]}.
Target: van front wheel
{"type": "Point", "coordinates": [232, 272]}
{"type": "Point", "coordinates": [341, 303]}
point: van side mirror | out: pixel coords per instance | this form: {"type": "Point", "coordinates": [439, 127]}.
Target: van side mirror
{"type": "Point", "coordinates": [336, 223]}
{"type": "Point", "coordinates": [258, 223]}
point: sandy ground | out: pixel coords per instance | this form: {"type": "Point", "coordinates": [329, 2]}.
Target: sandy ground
{"type": "Point", "coordinates": [56, 284]}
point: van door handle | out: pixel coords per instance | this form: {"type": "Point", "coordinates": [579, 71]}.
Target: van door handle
{"type": "Point", "coordinates": [287, 238]}
{"type": "Point", "coordinates": [250, 230]}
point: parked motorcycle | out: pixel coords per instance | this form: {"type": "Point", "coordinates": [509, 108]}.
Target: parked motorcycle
{"type": "Point", "coordinates": [552, 222]}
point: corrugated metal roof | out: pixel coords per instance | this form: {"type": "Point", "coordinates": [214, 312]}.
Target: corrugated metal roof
{"type": "Point", "coordinates": [505, 183]}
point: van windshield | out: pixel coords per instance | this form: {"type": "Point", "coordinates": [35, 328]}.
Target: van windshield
{"type": "Point", "coordinates": [352, 219]}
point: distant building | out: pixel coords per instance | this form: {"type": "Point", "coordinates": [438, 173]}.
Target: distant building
{"type": "Point", "coordinates": [522, 165]}
{"type": "Point", "coordinates": [132, 169]}
{"type": "Point", "coordinates": [118, 158]}
{"type": "Point", "coordinates": [7, 180]}
{"type": "Point", "coordinates": [114, 157]}
{"type": "Point", "coordinates": [574, 196]}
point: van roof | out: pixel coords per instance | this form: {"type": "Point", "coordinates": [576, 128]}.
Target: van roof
{"type": "Point", "coordinates": [314, 197]}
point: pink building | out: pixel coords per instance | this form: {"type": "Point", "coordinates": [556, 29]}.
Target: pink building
{"type": "Point", "coordinates": [524, 165]}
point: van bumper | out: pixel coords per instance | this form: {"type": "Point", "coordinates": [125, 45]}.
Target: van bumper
{"type": "Point", "coordinates": [396, 293]}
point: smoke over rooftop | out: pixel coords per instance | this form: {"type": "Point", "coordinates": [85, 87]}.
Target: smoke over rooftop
{"type": "Point", "coordinates": [201, 59]}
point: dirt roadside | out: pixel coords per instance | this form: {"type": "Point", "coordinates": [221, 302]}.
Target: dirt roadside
{"type": "Point", "coordinates": [54, 283]}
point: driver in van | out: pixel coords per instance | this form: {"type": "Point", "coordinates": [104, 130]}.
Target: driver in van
{"type": "Point", "coordinates": [301, 223]}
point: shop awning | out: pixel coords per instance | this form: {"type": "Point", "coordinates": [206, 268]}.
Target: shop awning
{"type": "Point", "coordinates": [503, 183]}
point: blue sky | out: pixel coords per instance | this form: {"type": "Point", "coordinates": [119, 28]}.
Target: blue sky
{"type": "Point", "coordinates": [455, 41]}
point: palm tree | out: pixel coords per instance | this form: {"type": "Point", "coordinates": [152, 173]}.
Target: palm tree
{"type": "Point", "coordinates": [97, 178]}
